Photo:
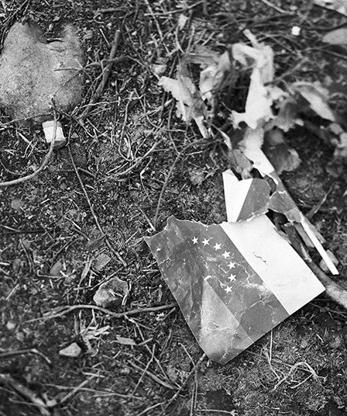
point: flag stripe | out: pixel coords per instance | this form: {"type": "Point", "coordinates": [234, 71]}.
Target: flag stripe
{"type": "Point", "coordinates": [256, 202]}
{"type": "Point", "coordinates": [279, 266]}
{"type": "Point", "coordinates": [238, 193]}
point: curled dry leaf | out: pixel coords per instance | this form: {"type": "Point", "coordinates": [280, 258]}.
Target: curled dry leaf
{"type": "Point", "coordinates": [189, 103]}
{"type": "Point", "coordinates": [317, 96]}
{"type": "Point", "coordinates": [260, 98]}
{"type": "Point", "coordinates": [215, 68]}
{"type": "Point", "coordinates": [281, 156]}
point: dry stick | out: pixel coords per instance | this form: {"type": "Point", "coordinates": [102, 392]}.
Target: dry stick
{"type": "Point", "coordinates": [164, 187]}
{"type": "Point", "coordinates": [43, 165]}
{"type": "Point", "coordinates": [105, 76]}
{"type": "Point", "coordinates": [44, 408]}
{"type": "Point", "coordinates": [75, 390]}
{"type": "Point", "coordinates": [109, 245]}
{"type": "Point", "coordinates": [192, 371]}
{"type": "Point", "coordinates": [152, 376]}
{"type": "Point", "coordinates": [333, 289]}
{"type": "Point", "coordinates": [9, 354]}
{"type": "Point", "coordinates": [64, 310]}
{"type": "Point", "coordinates": [278, 9]}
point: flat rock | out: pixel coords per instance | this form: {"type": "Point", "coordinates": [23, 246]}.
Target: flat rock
{"type": "Point", "coordinates": [34, 71]}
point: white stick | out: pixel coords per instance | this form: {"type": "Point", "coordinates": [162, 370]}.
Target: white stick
{"type": "Point", "coordinates": [331, 266]}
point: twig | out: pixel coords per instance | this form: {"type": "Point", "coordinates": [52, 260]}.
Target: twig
{"type": "Point", "coordinates": [109, 245]}
{"type": "Point", "coordinates": [301, 364]}
{"type": "Point", "coordinates": [144, 371]}
{"type": "Point", "coordinates": [24, 391]}
{"type": "Point", "coordinates": [164, 187]}
{"type": "Point", "coordinates": [64, 310]}
{"type": "Point", "coordinates": [152, 376]}
{"type": "Point", "coordinates": [278, 9]}
{"type": "Point", "coordinates": [75, 390]}
{"type": "Point", "coordinates": [43, 164]}
{"type": "Point", "coordinates": [9, 354]}
{"type": "Point", "coordinates": [105, 76]}
{"type": "Point", "coordinates": [333, 289]}
{"type": "Point", "coordinates": [183, 385]}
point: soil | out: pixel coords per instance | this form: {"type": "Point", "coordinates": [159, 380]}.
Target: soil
{"type": "Point", "coordinates": [53, 240]}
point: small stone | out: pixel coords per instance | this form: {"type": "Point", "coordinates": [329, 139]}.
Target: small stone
{"type": "Point", "coordinates": [101, 261]}
{"type": "Point", "coordinates": [111, 292]}
{"type": "Point", "coordinates": [56, 269]}
{"type": "Point", "coordinates": [17, 204]}
{"type": "Point", "coordinates": [73, 350]}
{"type": "Point", "coordinates": [10, 325]}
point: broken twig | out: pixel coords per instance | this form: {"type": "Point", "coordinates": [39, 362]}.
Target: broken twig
{"type": "Point", "coordinates": [105, 76]}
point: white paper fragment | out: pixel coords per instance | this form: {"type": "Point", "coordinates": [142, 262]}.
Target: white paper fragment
{"type": "Point", "coordinates": [48, 129]}
{"type": "Point", "coordinates": [251, 147]}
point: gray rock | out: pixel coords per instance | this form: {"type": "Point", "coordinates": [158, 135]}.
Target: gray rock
{"type": "Point", "coordinates": [33, 72]}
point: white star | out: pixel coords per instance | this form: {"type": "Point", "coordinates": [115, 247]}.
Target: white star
{"type": "Point", "coordinates": [226, 254]}
{"type": "Point", "coordinates": [217, 246]}
{"type": "Point", "coordinates": [231, 277]}
{"type": "Point", "coordinates": [206, 242]}
{"type": "Point", "coordinates": [228, 289]}
{"type": "Point", "coordinates": [231, 265]}
{"type": "Point", "coordinates": [195, 240]}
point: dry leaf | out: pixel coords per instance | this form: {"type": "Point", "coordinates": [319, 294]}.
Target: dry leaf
{"type": "Point", "coordinates": [281, 156]}
{"type": "Point", "coordinates": [258, 105]}
{"type": "Point", "coordinates": [215, 68]}
{"type": "Point", "coordinates": [287, 116]}
{"type": "Point", "coordinates": [189, 103]}
{"type": "Point", "coordinates": [260, 98]}
{"type": "Point", "coordinates": [317, 96]}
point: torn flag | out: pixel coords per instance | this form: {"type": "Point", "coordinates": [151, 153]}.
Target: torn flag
{"type": "Point", "coordinates": [233, 282]}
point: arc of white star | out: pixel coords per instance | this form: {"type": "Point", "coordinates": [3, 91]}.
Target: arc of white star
{"type": "Point", "coordinates": [206, 242]}
{"type": "Point", "coordinates": [231, 265]}
{"type": "Point", "coordinates": [228, 289]}
{"type": "Point", "coordinates": [217, 246]}
{"type": "Point", "coordinates": [226, 254]}
{"type": "Point", "coordinates": [195, 240]}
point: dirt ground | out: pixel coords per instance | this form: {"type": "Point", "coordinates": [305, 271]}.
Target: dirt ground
{"type": "Point", "coordinates": [138, 164]}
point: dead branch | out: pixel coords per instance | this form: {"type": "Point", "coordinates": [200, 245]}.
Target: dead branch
{"type": "Point", "coordinates": [43, 164]}
{"type": "Point", "coordinates": [42, 405]}
{"type": "Point", "coordinates": [333, 289]}
{"type": "Point", "coordinates": [64, 310]}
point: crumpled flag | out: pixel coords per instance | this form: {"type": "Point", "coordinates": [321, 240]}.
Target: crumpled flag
{"type": "Point", "coordinates": [234, 282]}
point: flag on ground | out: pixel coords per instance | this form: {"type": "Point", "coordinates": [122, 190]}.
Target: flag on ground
{"type": "Point", "coordinates": [234, 282]}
